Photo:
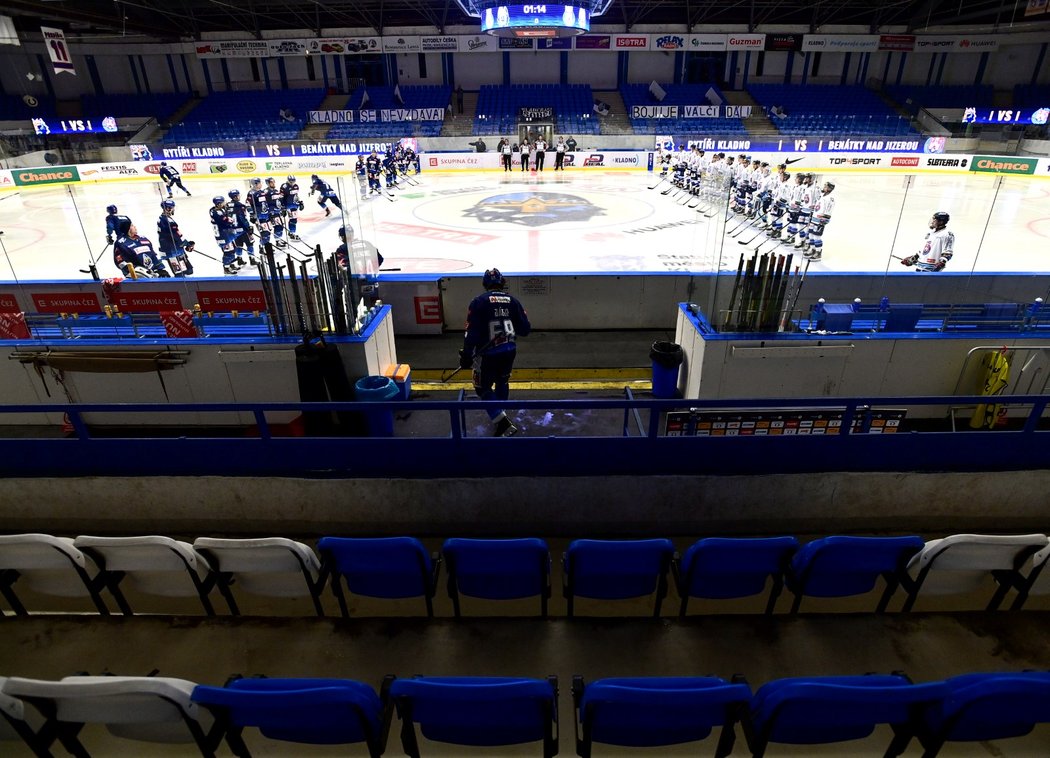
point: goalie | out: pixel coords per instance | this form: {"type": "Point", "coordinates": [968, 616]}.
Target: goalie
{"type": "Point", "coordinates": [938, 247]}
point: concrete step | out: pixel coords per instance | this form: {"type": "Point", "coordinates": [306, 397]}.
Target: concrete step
{"type": "Point", "coordinates": [461, 124]}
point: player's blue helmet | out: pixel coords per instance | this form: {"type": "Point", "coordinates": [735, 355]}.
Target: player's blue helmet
{"type": "Point", "coordinates": [343, 232]}
{"type": "Point", "coordinates": [314, 177]}
{"type": "Point", "coordinates": [164, 163]}
{"type": "Point", "coordinates": [218, 200]}
{"type": "Point", "coordinates": [291, 177]}
{"type": "Point", "coordinates": [493, 279]}
{"type": "Point", "coordinates": [234, 194]}
{"type": "Point", "coordinates": [167, 204]}
{"type": "Point", "coordinates": [256, 182]}
{"type": "Point", "coordinates": [270, 180]}
{"type": "Point", "coordinates": [111, 209]}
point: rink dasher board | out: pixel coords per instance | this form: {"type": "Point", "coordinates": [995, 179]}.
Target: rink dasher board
{"type": "Point", "coordinates": [596, 160]}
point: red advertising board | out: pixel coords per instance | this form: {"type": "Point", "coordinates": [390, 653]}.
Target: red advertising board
{"type": "Point", "coordinates": [8, 303]}
{"type": "Point", "coordinates": [146, 302]}
{"type": "Point", "coordinates": [178, 324]}
{"type": "Point", "coordinates": [13, 326]}
{"type": "Point", "coordinates": [66, 302]}
{"type": "Point", "coordinates": [231, 300]}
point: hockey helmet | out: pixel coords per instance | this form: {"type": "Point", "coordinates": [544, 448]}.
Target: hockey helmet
{"type": "Point", "coordinates": [941, 218]}
{"type": "Point", "coordinates": [271, 180]}
{"type": "Point", "coordinates": [314, 177]}
{"type": "Point", "coordinates": [168, 205]}
{"type": "Point", "coordinates": [256, 182]}
{"type": "Point", "coordinates": [829, 186]}
{"type": "Point", "coordinates": [164, 163]}
{"type": "Point", "coordinates": [344, 231]}
{"type": "Point", "coordinates": [290, 177]}
{"type": "Point", "coordinates": [124, 226]}
{"type": "Point", "coordinates": [234, 194]}
{"type": "Point", "coordinates": [111, 209]}
{"type": "Point", "coordinates": [218, 200]}
{"type": "Point", "coordinates": [493, 279]}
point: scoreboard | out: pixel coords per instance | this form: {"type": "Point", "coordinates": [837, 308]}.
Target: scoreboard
{"type": "Point", "coordinates": [537, 20]}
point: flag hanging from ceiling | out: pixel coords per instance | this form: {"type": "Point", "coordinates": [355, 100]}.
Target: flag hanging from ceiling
{"type": "Point", "coordinates": [58, 50]}
{"type": "Point", "coordinates": [397, 95]}
{"type": "Point", "coordinates": [8, 35]}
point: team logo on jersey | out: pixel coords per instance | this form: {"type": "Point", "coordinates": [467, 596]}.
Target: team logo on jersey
{"type": "Point", "coordinates": [534, 209]}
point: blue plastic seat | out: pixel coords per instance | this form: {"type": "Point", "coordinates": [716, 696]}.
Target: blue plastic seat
{"type": "Point", "coordinates": [478, 711]}
{"type": "Point", "coordinates": [822, 710]}
{"type": "Point", "coordinates": [987, 706]}
{"type": "Point", "coordinates": [718, 568]}
{"type": "Point", "coordinates": [382, 567]}
{"type": "Point", "coordinates": [656, 711]}
{"type": "Point", "coordinates": [847, 566]}
{"type": "Point", "coordinates": [498, 570]}
{"type": "Point", "coordinates": [617, 570]}
{"type": "Point", "coordinates": [308, 711]}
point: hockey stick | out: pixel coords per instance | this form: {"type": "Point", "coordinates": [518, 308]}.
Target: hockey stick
{"type": "Point", "coordinates": [752, 239]}
{"type": "Point", "coordinates": [659, 181]}
{"type": "Point", "coordinates": [446, 375]}
{"type": "Point", "coordinates": [389, 269]}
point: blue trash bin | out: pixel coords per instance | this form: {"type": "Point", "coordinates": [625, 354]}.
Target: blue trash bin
{"type": "Point", "coordinates": [377, 389]}
{"type": "Point", "coordinates": [667, 362]}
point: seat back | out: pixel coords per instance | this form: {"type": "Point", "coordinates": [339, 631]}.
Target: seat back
{"type": "Point", "coordinates": [961, 562]}
{"type": "Point", "coordinates": [992, 706]}
{"type": "Point", "coordinates": [152, 564]}
{"type": "Point", "coordinates": [818, 710]}
{"type": "Point", "coordinates": [841, 566]}
{"type": "Point", "coordinates": [498, 569]}
{"type": "Point", "coordinates": [151, 709]}
{"type": "Point", "coordinates": [481, 711]}
{"type": "Point", "coordinates": [652, 711]}
{"type": "Point", "coordinates": [617, 569]}
{"type": "Point", "coordinates": [47, 564]}
{"type": "Point", "coordinates": [1041, 585]}
{"type": "Point", "coordinates": [386, 567]}
{"type": "Point", "coordinates": [311, 711]}
{"type": "Point", "coordinates": [271, 566]}
{"type": "Point", "coordinates": [719, 567]}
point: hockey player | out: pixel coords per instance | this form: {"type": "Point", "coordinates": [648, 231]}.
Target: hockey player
{"type": "Point", "coordinates": [242, 217]}
{"type": "Point", "coordinates": [113, 220]}
{"type": "Point", "coordinates": [938, 248]}
{"type": "Point", "coordinates": [291, 203]}
{"type": "Point", "coordinates": [781, 199]}
{"type": "Point", "coordinates": [813, 246]}
{"type": "Point", "coordinates": [225, 230]}
{"type": "Point", "coordinates": [274, 209]}
{"type": "Point", "coordinates": [259, 211]}
{"type": "Point", "coordinates": [327, 193]}
{"type": "Point", "coordinates": [373, 166]}
{"type": "Point", "coordinates": [171, 178]}
{"type": "Point", "coordinates": [342, 253]}
{"type": "Point", "coordinates": [134, 255]}
{"type": "Point", "coordinates": [807, 198]}
{"type": "Point", "coordinates": [174, 246]}
{"type": "Point", "coordinates": [495, 320]}
{"type": "Point", "coordinates": [361, 172]}
{"type": "Point", "coordinates": [794, 207]}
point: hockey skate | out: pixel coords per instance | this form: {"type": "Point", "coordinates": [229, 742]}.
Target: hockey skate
{"type": "Point", "coordinates": [239, 262]}
{"type": "Point", "coordinates": [230, 270]}
{"type": "Point", "coordinates": [327, 212]}
{"type": "Point", "coordinates": [813, 256]}
{"type": "Point", "coordinates": [293, 236]}
{"type": "Point", "coordinates": [281, 243]}
{"type": "Point", "coordinates": [253, 261]}
{"type": "Point", "coordinates": [504, 428]}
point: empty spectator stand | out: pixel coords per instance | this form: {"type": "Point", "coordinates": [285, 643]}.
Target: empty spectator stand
{"type": "Point", "coordinates": [162, 105]}
{"type": "Point", "coordinates": [14, 108]}
{"type": "Point", "coordinates": [1031, 96]}
{"type": "Point", "coordinates": [573, 104]}
{"type": "Point", "coordinates": [829, 109]}
{"type": "Point", "coordinates": [247, 115]}
{"type": "Point", "coordinates": [382, 98]}
{"type": "Point", "coordinates": [912, 98]}
{"type": "Point", "coordinates": [679, 95]}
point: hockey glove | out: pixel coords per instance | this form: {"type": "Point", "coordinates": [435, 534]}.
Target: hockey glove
{"type": "Point", "coordinates": [189, 246]}
{"type": "Point", "coordinates": [941, 264]}
{"type": "Point", "coordinates": [302, 205]}
{"type": "Point", "coordinates": [109, 239]}
{"type": "Point", "coordinates": [465, 361]}
{"type": "Point", "coordinates": [252, 219]}
{"type": "Point", "coordinates": [911, 260]}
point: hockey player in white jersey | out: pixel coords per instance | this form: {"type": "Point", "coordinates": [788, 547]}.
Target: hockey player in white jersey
{"type": "Point", "coordinates": [938, 247]}
{"type": "Point", "coordinates": [781, 200]}
{"type": "Point", "coordinates": [813, 245]}
{"type": "Point", "coordinates": [800, 226]}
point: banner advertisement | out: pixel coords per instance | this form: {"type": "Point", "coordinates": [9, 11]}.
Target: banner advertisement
{"type": "Point", "coordinates": [515, 43]}
{"type": "Point", "coordinates": [269, 48]}
{"type": "Point", "coordinates": [846, 43]}
{"type": "Point", "coordinates": [479, 43]}
{"type": "Point", "coordinates": [667, 42]}
{"type": "Point", "coordinates": [58, 50]}
{"type": "Point", "coordinates": [401, 44]}
{"type": "Point", "coordinates": [711, 42]}
{"type": "Point", "coordinates": [745, 41]}
{"type": "Point", "coordinates": [897, 43]}
{"type": "Point", "coordinates": [554, 43]}
{"type": "Point", "coordinates": [439, 43]}
{"type": "Point", "coordinates": [593, 42]}
{"type": "Point", "coordinates": [783, 42]}
{"type": "Point", "coordinates": [30, 177]}
{"type": "Point", "coordinates": [948, 43]}
{"type": "Point", "coordinates": [65, 302]}
{"type": "Point", "coordinates": [630, 42]}
{"type": "Point", "coordinates": [536, 113]}
{"type": "Point", "coordinates": [372, 116]}
{"type": "Point", "coordinates": [997, 164]}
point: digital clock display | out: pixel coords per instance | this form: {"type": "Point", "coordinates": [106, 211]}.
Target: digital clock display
{"type": "Point", "coordinates": [569, 17]}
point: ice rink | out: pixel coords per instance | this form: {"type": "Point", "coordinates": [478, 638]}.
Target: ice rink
{"type": "Point", "coordinates": [583, 222]}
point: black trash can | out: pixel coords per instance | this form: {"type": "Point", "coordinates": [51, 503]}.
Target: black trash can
{"type": "Point", "coordinates": [667, 360]}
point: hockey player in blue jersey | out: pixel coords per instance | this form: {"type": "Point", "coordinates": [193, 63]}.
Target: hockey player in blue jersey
{"type": "Point", "coordinates": [134, 255]}
{"type": "Point", "coordinates": [245, 239]}
{"type": "Point", "coordinates": [259, 212]}
{"type": "Point", "coordinates": [172, 243]}
{"type": "Point", "coordinates": [327, 193]}
{"type": "Point", "coordinates": [373, 166]}
{"type": "Point", "coordinates": [495, 320]}
{"type": "Point", "coordinates": [362, 175]}
{"type": "Point", "coordinates": [291, 204]}
{"type": "Point", "coordinates": [390, 169]}
{"type": "Point", "coordinates": [113, 220]}
{"type": "Point", "coordinates": [273, 206]}
{"type": "Point", "coordinates": [225, 230]}
{"type": "Point", "coordinates": [170, 176]}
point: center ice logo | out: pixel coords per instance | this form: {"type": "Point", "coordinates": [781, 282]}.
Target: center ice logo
{"type": "Point", "coordinates": [533, 209]}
